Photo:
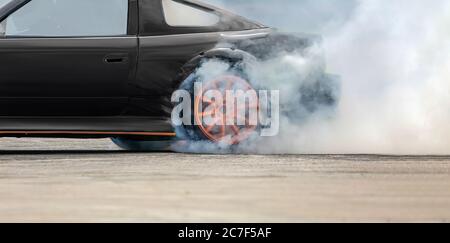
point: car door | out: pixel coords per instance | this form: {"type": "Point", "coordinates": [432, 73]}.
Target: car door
{"type": "Point", "coordinates": [67, 57]}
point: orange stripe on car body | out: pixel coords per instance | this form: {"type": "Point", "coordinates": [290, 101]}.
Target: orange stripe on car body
{"type": "Point", "coordinates": [159, 134]}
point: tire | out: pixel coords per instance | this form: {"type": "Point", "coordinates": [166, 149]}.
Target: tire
{"type": "Point", "coordinates": [142, 145]}
{"type": "Point", "coordinates": [236, 78]}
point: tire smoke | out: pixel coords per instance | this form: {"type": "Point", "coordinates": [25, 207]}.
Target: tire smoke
{"type": "Point", "coordinates": [393, 57]}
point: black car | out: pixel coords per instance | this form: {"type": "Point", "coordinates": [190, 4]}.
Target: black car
{"type": "Point", "coordinates": [107, 68]}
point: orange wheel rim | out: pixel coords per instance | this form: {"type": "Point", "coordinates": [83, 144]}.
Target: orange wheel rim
{"type": "Point", "coordinates": [220, 131]}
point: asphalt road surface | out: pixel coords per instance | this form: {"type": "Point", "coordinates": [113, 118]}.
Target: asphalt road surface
{"type": "Point", "coordinates": [55, 180]}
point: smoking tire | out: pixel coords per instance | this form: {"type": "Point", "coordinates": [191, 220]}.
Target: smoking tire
{"type": "Point", "coordinates": [220, 131]}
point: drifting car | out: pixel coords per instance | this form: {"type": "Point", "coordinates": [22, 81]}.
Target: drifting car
{"type": "Point", "coordinates": [108, 68]}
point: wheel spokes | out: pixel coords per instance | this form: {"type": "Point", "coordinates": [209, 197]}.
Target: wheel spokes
{"type": "Point", "coordinates": [220, 130]}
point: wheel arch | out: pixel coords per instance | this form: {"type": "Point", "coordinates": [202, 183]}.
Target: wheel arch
{"type": "Point", "coordinates": [231, 55]}
{"type": "Point", "coordinates": [225, 53]}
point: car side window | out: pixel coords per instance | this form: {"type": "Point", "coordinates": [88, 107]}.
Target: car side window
{"type": "Point", "coordinates": [68, 18]}
{"type": "Point", "coordinates": [178, 14]}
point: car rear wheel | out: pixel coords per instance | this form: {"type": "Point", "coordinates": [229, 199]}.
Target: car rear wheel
{"type": "Point", "coordinates": [221, 131]}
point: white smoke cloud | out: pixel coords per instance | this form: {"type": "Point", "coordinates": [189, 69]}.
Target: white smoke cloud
{"type": "Point", "coordinates": [312, 16]}
{"type": "Point", "coordinates": [394, 60]}
{"type": "Point", "coordinates": [393, 57]}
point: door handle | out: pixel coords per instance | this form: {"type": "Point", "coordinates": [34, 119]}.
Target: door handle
{"type": "Point", "coordinates": [116, 59]}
